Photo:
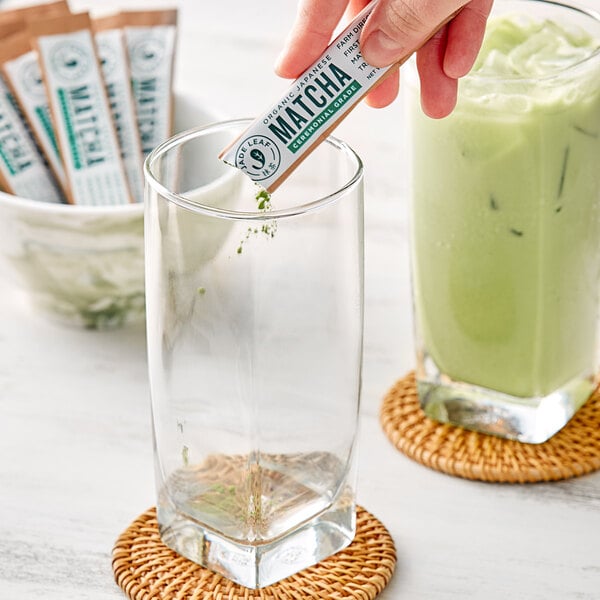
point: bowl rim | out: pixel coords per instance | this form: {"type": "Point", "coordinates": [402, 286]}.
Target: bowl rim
{"type": "Point", "coordinates": [20, 202]}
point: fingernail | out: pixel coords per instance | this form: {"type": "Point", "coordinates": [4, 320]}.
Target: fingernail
{"type": "Point", "coordinates": [380, 50]}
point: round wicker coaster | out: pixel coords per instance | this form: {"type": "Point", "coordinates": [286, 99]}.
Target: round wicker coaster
{"type": "Point", "coordinates": [146, 569]}
{"type": "Point", "coordinates": [573, 451]}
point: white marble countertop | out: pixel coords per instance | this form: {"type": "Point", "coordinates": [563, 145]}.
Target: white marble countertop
{"type": "Point", "coordinates": [75, 448]}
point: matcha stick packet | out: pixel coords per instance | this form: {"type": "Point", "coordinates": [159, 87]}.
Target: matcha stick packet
{"type": "Point", "coordinates": [23, 170]}
{"type": "Point", "coordinates": [112, 52]}
{"type": "Point", "coordinates": [20, 68]}
{"type": "Point", "coordinates": [80, 110]}
{"type": "Point", "coordinates": [277, 142]}
{"type": "Point", "coordinates": [8, 26]}
{"type": "Point", "coordinates": [35, 12]}
{"type": "Point", "coordinates": [280, 139]}
{"type": "Point", "coordinates": [150, 37]}
{"type": "Point", "coordinates": [21, 71]}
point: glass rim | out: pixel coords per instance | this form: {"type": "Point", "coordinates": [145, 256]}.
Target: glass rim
{"type": "Point", "coordinates": [584, 10]}
{"type": "Point", "coordinates": [255, 215]}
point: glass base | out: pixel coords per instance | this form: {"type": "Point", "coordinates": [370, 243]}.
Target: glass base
{"type": "Point", "coordinates": [531, 420]}
{"type": "Point", "coordinates": [259, 565]}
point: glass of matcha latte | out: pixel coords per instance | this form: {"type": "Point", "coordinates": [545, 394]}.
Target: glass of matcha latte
{"type": "Point", "coordinates": [505, 227]}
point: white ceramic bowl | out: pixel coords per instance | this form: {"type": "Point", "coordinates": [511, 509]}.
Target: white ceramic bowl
{"type": "Point", "coordinates": [84, 265]}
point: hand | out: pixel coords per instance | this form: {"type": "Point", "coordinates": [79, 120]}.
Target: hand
{"type": "Point", "coordinates": [394, 30]}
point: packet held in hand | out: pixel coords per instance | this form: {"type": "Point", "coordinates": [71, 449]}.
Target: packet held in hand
{"type": "Point", "coordinates": [23, 171]}
{"type": "Point", "coordinates": [150, 37]}
{"type": "Point", "coordinates": [82, 118]}
{"type": "Point", "coordinates": [275, 143]}
{"type": "Point", "coordinates": [113, 59]}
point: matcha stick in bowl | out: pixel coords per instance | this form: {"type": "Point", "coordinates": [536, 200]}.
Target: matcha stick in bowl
{"type": "Point", "coordinates": [10, 25]}
{"type": "Point", "coordinates": [80, 110]}
{"type": "Point", "coordinates": [16, 19]}
{"type": "Point", "coordinates": [23, 169]}
{"type": "Point", "coordinates": [20, 68]}
{"type": "Point", "coordinates": [150, 37]}
{"type": "Point", "coordinates": [82, 265]}
{"type": "Point", "coordinates": [115, 69]}
{"type": "Point", "coordinates": [36, 11]}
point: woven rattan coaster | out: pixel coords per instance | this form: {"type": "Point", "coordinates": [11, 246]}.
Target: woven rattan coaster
{"type": "Point", "coordinates": [146, 569]}
{"type": "Point", "coordinates": [573, 451]}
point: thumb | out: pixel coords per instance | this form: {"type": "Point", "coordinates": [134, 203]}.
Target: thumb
{"type": "Point", "coordinates": [396, 28]}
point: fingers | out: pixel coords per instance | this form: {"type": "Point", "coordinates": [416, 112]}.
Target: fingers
{"type": "Point", "coordinates": [438, 91]}
{"type": "Point", "coordinates": [465, 35]}
{"type": "Point", "coordinates": [356, 6]}
{"type": "Point", "coordinates": [310, 35]}
{"type": "Point", "coordinates": [396, 28]}
{"type": "Point", "coordinates": [385, 92]}
{"type": "Point", "coordinates": [450, 55]}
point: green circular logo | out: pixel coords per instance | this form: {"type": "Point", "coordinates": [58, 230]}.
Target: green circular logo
{"type": "Point", "coordinates": [258, 156]}
{"type": "Point", "coordinates": [108, 59]}
{"type": "Point", "coordinates": [31, 79]}
{"type": "Point", "coordinates": [147, 54]}
{"type": "Point", "coordinates": [69, 60]}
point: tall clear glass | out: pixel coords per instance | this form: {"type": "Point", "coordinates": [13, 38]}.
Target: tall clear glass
{"type": "Point", "coordinates": [505, 227]}
{"type": "Point", "coordinates": [255, 320]}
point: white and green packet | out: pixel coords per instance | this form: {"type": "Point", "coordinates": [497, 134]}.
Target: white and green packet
{"type": "Point", "coordinates": [151, 38]}
{"type": "Point", "coordinates": [81, 114]}
{"type": "Point", "coordinates": [277, 141]}
{"type": "Point", "coordinates": [113, 59]}
{"type": "Point", "coordinates": [21, 70]}
{"type": "Point", "coordinates": [23, 170]}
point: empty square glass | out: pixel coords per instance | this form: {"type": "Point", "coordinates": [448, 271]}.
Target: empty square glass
{"type": "Point", "coordinates": [254, 324]}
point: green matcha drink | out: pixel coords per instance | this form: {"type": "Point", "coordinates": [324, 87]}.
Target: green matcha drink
{"type": "Point", "coordinates": [506, 213]}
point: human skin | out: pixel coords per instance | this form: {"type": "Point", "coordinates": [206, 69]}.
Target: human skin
{"type": "Point", "coordinates": [394, 30]}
